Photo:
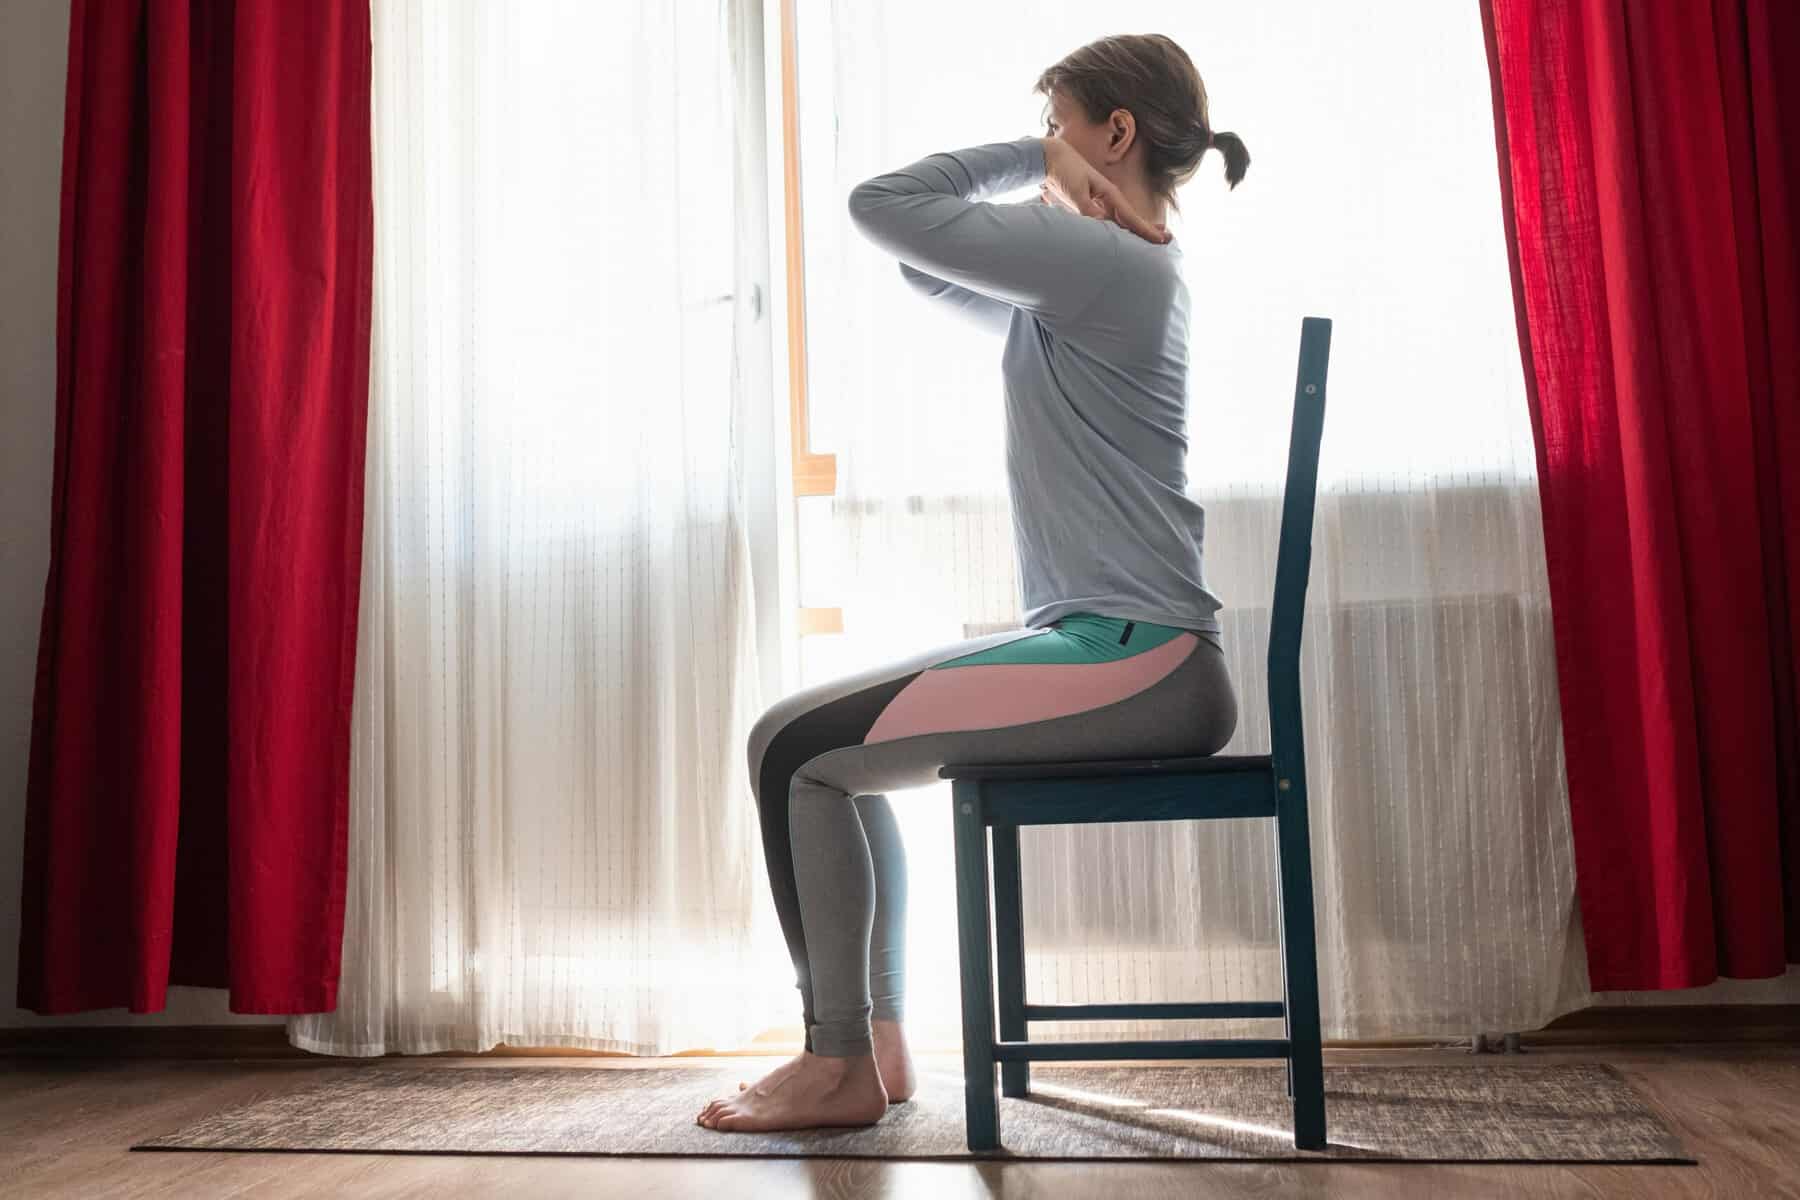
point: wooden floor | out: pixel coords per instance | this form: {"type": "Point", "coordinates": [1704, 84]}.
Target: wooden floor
{"type": "Point", "coordinates": [1736, 1107]}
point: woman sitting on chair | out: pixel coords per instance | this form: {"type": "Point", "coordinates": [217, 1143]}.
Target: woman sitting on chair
{"type": "Point", "coordinates": [1121, 655]}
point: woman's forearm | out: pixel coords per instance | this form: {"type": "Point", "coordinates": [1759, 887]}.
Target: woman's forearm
{"type": "Point", "coordinates": [934, 215]}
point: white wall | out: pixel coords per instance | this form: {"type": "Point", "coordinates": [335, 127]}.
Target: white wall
{"type": "Point", "coordinates": [34, 41]}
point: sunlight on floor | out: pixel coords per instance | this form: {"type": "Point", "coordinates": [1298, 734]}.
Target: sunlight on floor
{"type": "Point", "coordinates": [1285, 1136]}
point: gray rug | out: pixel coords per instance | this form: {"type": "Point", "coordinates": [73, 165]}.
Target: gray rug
{"type": "Point", "coordinates": [1560, 1113]}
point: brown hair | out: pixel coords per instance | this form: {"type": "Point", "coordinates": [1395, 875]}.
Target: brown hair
{"type": "Point", "coordinates": [1154, 78]}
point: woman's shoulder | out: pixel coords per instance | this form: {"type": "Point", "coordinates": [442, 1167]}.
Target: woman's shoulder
{"type": "Point", "coordinates": [1147, 268]}
{"type": "Point", "coordinates": [1144, 303]}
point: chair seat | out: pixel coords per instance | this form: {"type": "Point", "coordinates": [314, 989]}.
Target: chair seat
{"type": "Point", "coordinates": [1108, 766]}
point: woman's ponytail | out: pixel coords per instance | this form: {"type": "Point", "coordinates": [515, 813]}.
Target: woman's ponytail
{"type": "Point", "coordinates": [1237, 159]}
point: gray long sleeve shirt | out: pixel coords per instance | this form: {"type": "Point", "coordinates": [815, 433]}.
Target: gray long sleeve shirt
{"type": "Point", "coordinates": [1095, 369]}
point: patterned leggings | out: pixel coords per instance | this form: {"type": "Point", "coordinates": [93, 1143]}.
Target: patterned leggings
{"type": "Point", "coordinates": [823, 759]}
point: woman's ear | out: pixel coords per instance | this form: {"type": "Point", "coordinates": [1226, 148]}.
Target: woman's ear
{"type": "Point", "coordinates": [1118, 137]}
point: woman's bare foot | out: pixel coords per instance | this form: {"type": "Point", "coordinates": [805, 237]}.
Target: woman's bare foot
{"type": "Point", "coordinates": [893, 1059]}
{"type": "Point", "coordinates": [806, 1093]}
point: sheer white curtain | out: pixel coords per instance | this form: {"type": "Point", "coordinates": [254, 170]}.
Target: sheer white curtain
{"type": "Point", "coordinates": [1442, 856]}
{"type": "Point", "coordinates": [553, 840]}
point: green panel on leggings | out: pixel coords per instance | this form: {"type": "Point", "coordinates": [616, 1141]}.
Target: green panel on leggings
{"type": "Point", "coordinates": [1077, 638]}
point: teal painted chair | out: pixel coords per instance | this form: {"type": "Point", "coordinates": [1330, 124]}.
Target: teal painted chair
{"type": "Point", "coordinates": [1273, 785]}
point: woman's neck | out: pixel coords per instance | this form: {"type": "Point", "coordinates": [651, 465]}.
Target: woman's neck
{"type": "Point", "coordinates": [1139, 195]}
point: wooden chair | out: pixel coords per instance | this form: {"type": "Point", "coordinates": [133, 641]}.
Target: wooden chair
{"type": "Point", "coordinates": [1004, 797]}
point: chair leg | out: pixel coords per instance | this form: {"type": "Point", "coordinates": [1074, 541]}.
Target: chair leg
{"type": "Point", "coordinates": [1306, 1069]}
{"type": "Point", "coordinates": [1287, 1000]}
{"type": "Point", "coordinates": [981, 1107]}
{"type": "Point", "coordinates": [1009, 947]}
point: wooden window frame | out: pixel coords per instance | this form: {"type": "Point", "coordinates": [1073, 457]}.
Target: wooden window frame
{"type": "Point", "coordinates": [814, 474]}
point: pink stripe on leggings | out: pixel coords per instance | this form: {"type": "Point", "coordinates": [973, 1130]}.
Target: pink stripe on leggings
{"type": "Point", "coordinates": [999, 694]}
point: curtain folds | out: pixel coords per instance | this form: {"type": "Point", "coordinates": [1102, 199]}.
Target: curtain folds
{"type": "Point", "coordinates": [187, 799]}
{"type": "Point", "coordinates": [1650, 158]}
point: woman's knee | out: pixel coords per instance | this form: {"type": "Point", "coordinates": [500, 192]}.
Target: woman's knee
{"type": "Point", "coordinates": [774, 720]}
{"type": "Point", "coordinates": [762, 736]}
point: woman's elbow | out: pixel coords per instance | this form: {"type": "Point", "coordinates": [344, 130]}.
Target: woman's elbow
{"type": "Point", "coordinates": [866, 203]}
{"type": "Point", "coordinates": [860, 201]}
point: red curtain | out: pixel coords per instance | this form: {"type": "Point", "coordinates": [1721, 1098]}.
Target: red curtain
{"type": "Point", "coordinates": [1650, 165]}
{"type": "Point", "coordinates": [188, 794]}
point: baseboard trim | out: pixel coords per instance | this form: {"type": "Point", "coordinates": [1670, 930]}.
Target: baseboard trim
{"type": "Point", "coordinates": [1597, 1026]}
{"type": "Point", "coordinates": [1625, 1023]}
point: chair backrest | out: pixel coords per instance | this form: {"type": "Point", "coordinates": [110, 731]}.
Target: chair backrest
{"type": "Point", "coordinates": [1293, 559]}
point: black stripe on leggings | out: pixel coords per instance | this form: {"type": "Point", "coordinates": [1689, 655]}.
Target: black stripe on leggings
{"type": "Point", "coordinates": [833, 725]}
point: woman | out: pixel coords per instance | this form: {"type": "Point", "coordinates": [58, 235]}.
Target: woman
{"type": "Point", "coordinates": [1121, 654]}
